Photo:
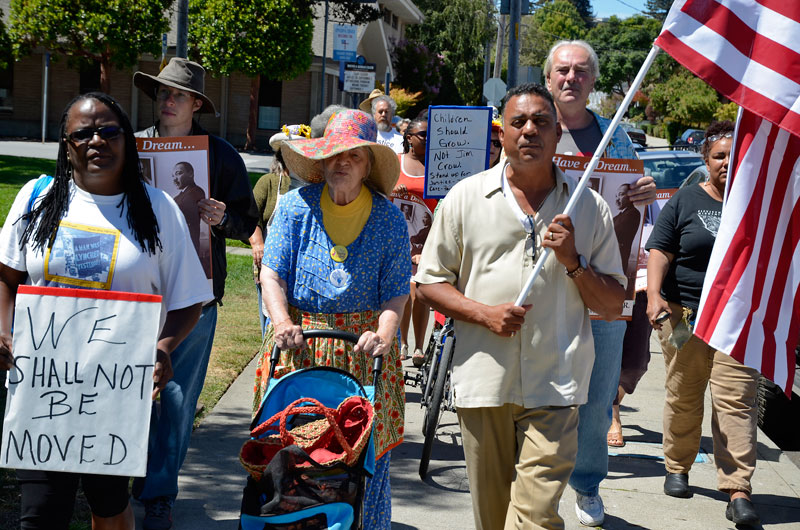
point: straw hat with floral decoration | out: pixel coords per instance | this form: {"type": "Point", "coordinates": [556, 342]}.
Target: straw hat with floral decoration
{"type": "Point", "coordinates": [346, 130]}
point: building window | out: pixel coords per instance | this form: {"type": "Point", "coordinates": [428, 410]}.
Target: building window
{"type": "Point", "coordinates": [394, 21]}
{"type": "Point", "coordinates": [269, 104]}
{"type": "Point", "coordinates": [89, 77]}
{"type": "Point", "coordinates": [387, 16]}
{"type": "Point", "coordinates": [7, 86]}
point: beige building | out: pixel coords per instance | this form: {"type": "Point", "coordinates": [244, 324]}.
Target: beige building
{"type": "Point", "coordinates": [35, 90]}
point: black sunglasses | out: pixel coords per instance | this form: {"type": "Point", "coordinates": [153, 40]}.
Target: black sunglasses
{"type": "Point", "coordinates": [497, 144]}
{"type": "Point", "coordinates": [80, 136]}
{"type": "Point", "coordinates": [421, 134]}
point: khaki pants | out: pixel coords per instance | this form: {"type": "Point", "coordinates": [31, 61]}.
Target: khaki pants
{"type": "Point", "coordinates": [733, 408]}
{"type": "Point", "coordinates": [518, 463]}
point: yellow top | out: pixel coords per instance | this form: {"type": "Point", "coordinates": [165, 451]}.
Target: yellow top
{"type": "Point", "coordinates": [344, 223]}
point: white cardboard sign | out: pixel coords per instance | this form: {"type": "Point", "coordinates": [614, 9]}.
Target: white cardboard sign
{"type": "Point", "coordinates": [457, 146]}
{"type": "Point", "coordinates": [79, 394]}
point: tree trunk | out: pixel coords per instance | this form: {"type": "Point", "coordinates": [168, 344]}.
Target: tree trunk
{"type": "Point", "coordinates": [105, 74]}
{"type": "Point", "coordinates": [252, 120]}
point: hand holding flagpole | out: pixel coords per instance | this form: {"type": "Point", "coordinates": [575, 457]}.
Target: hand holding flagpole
{"type": "Point", "coordinates": [592, 166]}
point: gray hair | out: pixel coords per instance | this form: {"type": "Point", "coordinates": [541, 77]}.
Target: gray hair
{"type": "Point", "coordinates": [594, 63]}
{"type": "Point", "coordinates": [388, 100]}
{"type": "Point", "coordinates": [320, 121]}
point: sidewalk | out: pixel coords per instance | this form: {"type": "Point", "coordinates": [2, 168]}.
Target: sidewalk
{"type": "Point", "coordinates": [256, 162]}
{"type": "Point", "coordinates": [212, 478]}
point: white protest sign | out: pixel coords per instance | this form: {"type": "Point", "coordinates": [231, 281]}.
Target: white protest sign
{"type": "Point", "coordinates": [611, 180]}
{"type": "Point", "coordinates": [457, 146]}
{"type": "Point", "coordinates": [79, 394]}
{"type": "Point", "coordinates": [179, 166]}
{"type": "Point", "coordinates": [359, 78]}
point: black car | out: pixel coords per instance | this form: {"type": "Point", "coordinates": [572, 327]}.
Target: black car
{"type": "Point", "coordinates": [636, 134]}
{"type": "Point", "coordinates": [690, 140]}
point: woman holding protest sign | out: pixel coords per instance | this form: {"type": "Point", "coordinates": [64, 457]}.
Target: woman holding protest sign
{"type": "Point", "coordinates": [337, 257]}
{"type": "Point", "coordinates": [97, 192]}
{"type": "Point", "coordinates": [408, 195]}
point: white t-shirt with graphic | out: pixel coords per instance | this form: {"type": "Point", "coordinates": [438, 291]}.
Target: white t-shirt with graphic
{"type": "Point", "coordinates": [95, 249]}
{"type": "Point", "coordinates": [392, 138]}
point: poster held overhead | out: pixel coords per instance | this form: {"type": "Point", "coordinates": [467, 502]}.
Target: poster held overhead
{"type": "Point", "coordinates": [457, 146]}
{"type": "Point", "coordinates": [79, 394]}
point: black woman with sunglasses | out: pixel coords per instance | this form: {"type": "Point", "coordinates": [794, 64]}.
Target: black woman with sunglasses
{"type": "Point", "coordinates": [680, 248]}
{"type": "Point", "coordinates": [408, 196]}
{"type": "Point", "coordinates": [97, 192]}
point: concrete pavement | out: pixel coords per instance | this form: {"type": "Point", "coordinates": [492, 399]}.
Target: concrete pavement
{"type": "Point", "coordinates": [212, 478]}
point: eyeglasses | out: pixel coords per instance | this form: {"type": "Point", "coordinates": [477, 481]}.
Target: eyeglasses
{"type": "Point", "coordinates": [531, 246]}
{"type": "Point", "coordinates": [712, 139]}
{"type": "Point", "coordinates": [177, 96]}
{"type": "Point", "coordinates": [421, 134]}
{"type": "Point", "coordinates": [81, 136]}
{"type": "Point", "coordinates": [497, 144]}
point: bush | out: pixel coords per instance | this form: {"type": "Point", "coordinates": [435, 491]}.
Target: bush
{"type": "Point", "coordinates": [727, 111]}
{"type": "Point", "coordinates": [405, 100]}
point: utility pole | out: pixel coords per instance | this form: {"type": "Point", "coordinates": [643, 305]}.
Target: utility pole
{"type": "Point", "coordinates": [182, 47]}
{"type": "Point", "coordinates": [324, 59]}
{"type": "Point", "coordinates": [513, 42]}
{"type": "Point", "coordinates": [498, 55]}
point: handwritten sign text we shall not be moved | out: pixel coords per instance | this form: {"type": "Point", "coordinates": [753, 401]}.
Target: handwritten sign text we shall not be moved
{"type": "Point", "coordinates": [79, 391]}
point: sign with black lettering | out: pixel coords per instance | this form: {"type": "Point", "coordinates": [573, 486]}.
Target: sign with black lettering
{"type": "Point", "coordinates": [457, 146]}
{"type": "Point", "coordinates": [359, 78]}
{"type": "Point", "coordinates": [79, 394]}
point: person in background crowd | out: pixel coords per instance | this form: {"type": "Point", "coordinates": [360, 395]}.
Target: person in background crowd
{"type": "Point", "coordinates": [382, 108]}
{"type": "Point", "coordinates": [495, 145]}
{"type": "Point", "coordinates": [409, 196]}
{"type": "Point", "coordinates": [231, 212]}
{"type": "Point", "coordinates": [268, 191]}
{"type": "Point", "coordinates": [320, 121]}
{"type": "Point", "coordinates": [337, 257]}
{"type": "Point", "coordinates": [98, 185]}
{"type": "Point", "coordinates": [571, 70]}
{"type": "Point", "coordinates": [680, 247]}
{"type": "Point", "coordinates": [520, 372]}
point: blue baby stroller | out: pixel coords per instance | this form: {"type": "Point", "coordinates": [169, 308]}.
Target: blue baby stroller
{"type": "Point", "coordinates": [294, 491]}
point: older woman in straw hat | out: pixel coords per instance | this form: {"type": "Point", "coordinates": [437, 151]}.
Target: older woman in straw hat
{"type": "Point", "coordinates": [337, 256]}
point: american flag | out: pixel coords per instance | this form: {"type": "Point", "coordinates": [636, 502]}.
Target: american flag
{"type": "Point", "coordinates": [745, 49]}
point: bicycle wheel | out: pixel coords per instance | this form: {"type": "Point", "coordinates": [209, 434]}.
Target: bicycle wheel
{"type": "Point", "coordinates": [431, 420]}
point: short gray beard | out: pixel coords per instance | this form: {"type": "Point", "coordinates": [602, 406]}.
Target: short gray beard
{"type": "Point", "coordinates": [384, 127]}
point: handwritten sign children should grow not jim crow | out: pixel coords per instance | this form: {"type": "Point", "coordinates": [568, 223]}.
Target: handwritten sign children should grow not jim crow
{"type": "Point", "coordinates": [79, 394]}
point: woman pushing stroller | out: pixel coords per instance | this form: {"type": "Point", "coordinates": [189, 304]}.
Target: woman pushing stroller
{"type": "Point", "coordinates": [337, 257]}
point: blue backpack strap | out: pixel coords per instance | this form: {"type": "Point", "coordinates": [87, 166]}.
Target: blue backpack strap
{"type": "Point", "coordinates": [41, 183]}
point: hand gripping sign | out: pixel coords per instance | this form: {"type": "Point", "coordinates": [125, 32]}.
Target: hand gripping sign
{"type": "Point", "coordinates": [79, 394]}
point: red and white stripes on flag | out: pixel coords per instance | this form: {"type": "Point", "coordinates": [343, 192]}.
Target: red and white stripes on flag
{"type": "Point", "coordinates": [746, 49]}
{"type": "Point", "coordinates": [749, 307]}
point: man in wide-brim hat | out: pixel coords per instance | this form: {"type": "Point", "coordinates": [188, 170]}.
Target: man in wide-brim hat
{"type": "Point", "coordinates": [229, 212]}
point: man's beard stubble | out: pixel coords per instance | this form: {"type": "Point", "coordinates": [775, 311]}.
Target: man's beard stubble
{"type": "Point", "coordinates": [384, 127]}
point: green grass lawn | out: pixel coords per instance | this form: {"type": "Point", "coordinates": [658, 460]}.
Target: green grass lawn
{"type": "Point", "coordinates": [16, 171]}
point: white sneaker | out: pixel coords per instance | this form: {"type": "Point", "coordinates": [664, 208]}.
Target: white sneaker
{"type": "Point", "coordinates": [589, 509]}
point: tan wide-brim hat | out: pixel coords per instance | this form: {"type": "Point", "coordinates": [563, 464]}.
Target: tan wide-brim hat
{"type": "Point", "coordinates": [366, 105]}
{"type": "Point", "coordinates": [346, 130]}
{"type": "Point", "coordinates": [179, 73]}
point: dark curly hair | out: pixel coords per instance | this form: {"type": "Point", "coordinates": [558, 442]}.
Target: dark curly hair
{"type": "Point", "coordinates": [716, 128]}
{"type": "Point", "coordinates": [527, 89]}
{"type": "Point", "coordinates": [44, 218]}
{"type": "Point", "coordinates": [416, 122]}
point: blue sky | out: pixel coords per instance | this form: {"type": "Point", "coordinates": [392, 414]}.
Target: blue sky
{"type": "Point", "coordinates": [621, 8]}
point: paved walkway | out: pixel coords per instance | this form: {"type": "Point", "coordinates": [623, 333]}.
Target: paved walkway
{"type": "Point", "coordinates": [212, 478]}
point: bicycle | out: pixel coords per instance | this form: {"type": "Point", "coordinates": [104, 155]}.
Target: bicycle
{"type": "Point", "coordinates": [433, 378]}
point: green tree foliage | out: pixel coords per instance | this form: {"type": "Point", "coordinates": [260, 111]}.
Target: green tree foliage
{"type": "Point", "coordinates": [622, 46]}
{"type": "Point", "coordinates": [553, 21]}
{"type": "Point", "coordinates": [727, 111]}
{"type": "Point", "coordinates": [418, 70]}
{"type": "Point", "coordinates": [5, 44]}
{"type": "Point", "coordinates": [685, 99]}
{"type": "Point", "coordinates": [457, 30]}
{"type": "Point", "coordinates": [584, 8]}
{"type": "Point", "coordinates": [657, 9]}
{"type": "Point", "coordinates": [111, 32]}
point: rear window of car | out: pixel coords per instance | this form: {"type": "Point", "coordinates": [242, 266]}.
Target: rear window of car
{"type": "Point", "coordinates": [669, 170]}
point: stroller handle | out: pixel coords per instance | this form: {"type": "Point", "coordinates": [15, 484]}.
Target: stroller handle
{"type": "Point", "coordinates": [377, 362]}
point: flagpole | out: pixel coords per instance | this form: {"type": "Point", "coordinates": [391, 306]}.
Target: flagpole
{"type": "Point", "coordinates": [637, 82]}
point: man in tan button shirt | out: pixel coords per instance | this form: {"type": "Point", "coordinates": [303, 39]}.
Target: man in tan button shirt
{"type": "Point", "coordinates": [519, 372]}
